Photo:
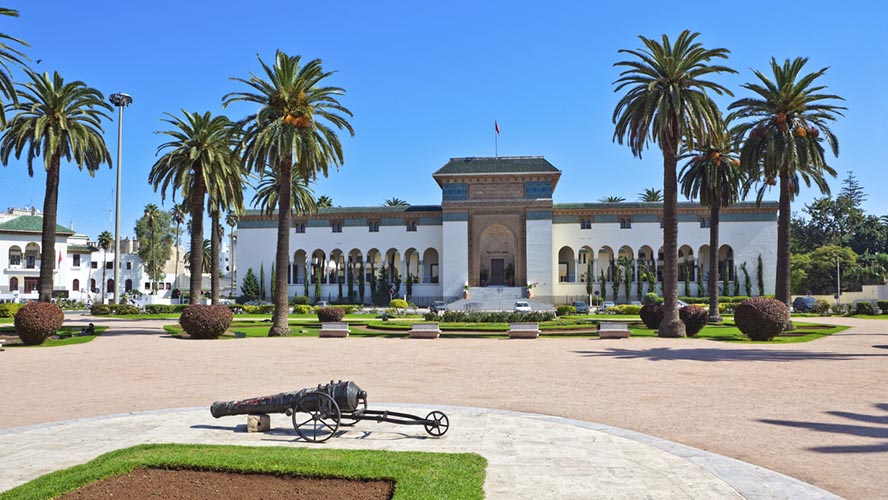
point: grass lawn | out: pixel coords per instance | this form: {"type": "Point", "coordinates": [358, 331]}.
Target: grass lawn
{"type": "Point", "coordinates": [416, 475]}
{"type": "Point", "coordinates": [727, 332]}
{"type": "Point", "coordinates": [72, 330]}
{"type": "Point", "coordinates": [7, 320]}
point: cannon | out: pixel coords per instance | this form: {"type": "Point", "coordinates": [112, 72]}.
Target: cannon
{"type": "Point", "coordinates": [317, 413]}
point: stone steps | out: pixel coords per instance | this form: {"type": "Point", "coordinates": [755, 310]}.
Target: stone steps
{"type": "Point", "coordinates": [495, 299]}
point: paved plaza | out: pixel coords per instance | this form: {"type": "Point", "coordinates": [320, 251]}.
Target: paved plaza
{"type": "Point", "coordinates": [591, 418]}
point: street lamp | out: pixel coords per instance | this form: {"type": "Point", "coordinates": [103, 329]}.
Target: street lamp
{"type": "Point", "coordinates": [120, 100]}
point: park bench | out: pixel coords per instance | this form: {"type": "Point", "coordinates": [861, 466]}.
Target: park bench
{"type": "Point", "coordinates": [613, 330]}
{"type": "Point", "coordinates": [337, 329]}
{"type": "Point", "coordinates": [425, 331]}
{"type": "Point", "coordinates": [524, 330]}
{"type": "Point", "coordinates": [1, 344]}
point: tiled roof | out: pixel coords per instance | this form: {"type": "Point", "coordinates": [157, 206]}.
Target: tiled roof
{"type": "Point", "coordinates": [30, 224]}
{"type": "Point", "coordinates": [500, 165]}
{"type": "Point", "coordinates": [81, 249]}
{"type": "Point", "coordinates": [767, 205]}
{"type": "Point", "coordinates": [373, 210]}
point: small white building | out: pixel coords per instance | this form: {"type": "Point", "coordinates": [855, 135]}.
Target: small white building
{"type": "Point", "coordinates": [497, 227]}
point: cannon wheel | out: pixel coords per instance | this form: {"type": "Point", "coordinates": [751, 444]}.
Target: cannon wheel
{"type": "Point", "coordinates": [322, 422]}
{"type": "Point", "coordinates": [439, 423]}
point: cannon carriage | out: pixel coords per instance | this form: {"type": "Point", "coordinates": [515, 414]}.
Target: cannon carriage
{"type": "Point", "coordinates": [317, 413]}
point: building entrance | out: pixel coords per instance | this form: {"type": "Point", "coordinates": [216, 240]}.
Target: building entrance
{"type": "Point", "coordinates": [497, 271]}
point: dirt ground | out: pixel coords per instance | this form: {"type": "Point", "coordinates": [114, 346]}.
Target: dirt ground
{"type": "Point", "coordinates": [815, 411]}
{"type": "Point", "coordinates": [198, 485]}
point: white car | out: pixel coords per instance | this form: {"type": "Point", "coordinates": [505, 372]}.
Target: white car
{"type": "Point", "coordinates": [521, 306]}
{"type": "Point", "coordinates": [607, 304]}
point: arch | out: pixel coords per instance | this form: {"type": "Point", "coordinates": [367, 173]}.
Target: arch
{"type": "Point", "coordinates": [128, 285]}
{"type": "Point", "coordinates": [686, 264]}
{"type": "Point", "coordinates": [75, 285]}
{"type": "Point", "coordinates": [92, 286]}
{"type": "Point", "coordinates": [431, 267]}
{"type": "Point", "coordinates": [606, 263]}
{"type": "Point", "coordinates": [626, 258]}
{"type": "Point", "coordinates": [567, 265]}
{"type": "Point", "coordinates": [585, 262]}
{"type": "Point", "coordinates": [300, 257]}
{"type": "Point", "coordinates": [392, 265]}
{"type": "Point", "coordinates": [372, 264]}
{"type": "Point", "coordinates": [318, 264]}
{"type": "Point", "coordinates": [726, 263]}
{"type": "Point", "coordinates": [15, 256]}
{"type": "Point", "coordinates": [336, 267]}
{"type": "Point", "coordinates": [32, 253]}
{"type": "Point", "coordinates": [13, 284]}
{"type": "Point", "coordinates": [110, 286]}
{"type": "Point", "coordinates": [703, 263]}
{"type": "Point", "coordinates": [660, 261]}
{"type": "Point", "coordinates": [497, 256]}
{"type": "Point", "coordinates": [411, 264]}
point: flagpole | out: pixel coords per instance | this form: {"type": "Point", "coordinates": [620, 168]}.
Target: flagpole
{"type": "Point", "coordinates": [495, 144]}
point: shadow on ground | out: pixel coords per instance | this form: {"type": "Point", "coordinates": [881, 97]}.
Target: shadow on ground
{"type": "Point", "coordinates": [712, 355]}
{"type": "Point", "coordinates": [878, 431]}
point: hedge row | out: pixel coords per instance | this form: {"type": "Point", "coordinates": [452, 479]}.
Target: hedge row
{"type": "Point", "coordinates": [120, 309]}
{"type": "Point", "coordinates": [490, 317]}
{"type": "Point", "coordinates": [165, 308]}
{"type": "Point", "coordinates": [8, 309]}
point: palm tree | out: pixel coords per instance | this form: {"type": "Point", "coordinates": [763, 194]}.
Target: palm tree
{"type": "Point", "coordinates": [325, 201]}
{"type": "Point", "coordinates": [231, 219]}
{"type": "Point", "coordinates": [395, 202]}
{"type": "Point", "coordinates": [199, 154]}
{"type": "Point", "coordinates": [57, 120]}
{"type": "Point", "coordinates": [667, 103]}
{"type": "Point", "coordinates": [611, 199]}
{"type": "Point", "coordinates": [151, 212]}
{"type": "Point", "coordinates": [267, 190]}
{"type": "Point", "coordinates": [782, 127]}
{"type": "Point", "coordinates": [713, 174]}
{"type": "Point", "coordinates": [227, 193]}
{"type": "Point", "coordinates": [291, 130]}
{"type": "Point", "coordinates": [8, 55]}
{"type": "Point", "coordinates": [105, 241]}
{"type": "Point", "coordinates": [177, 213]}
{"type": "Point", "coordinates": [206, 250]}
{"type": "Point", "coordinates": [651, 195]}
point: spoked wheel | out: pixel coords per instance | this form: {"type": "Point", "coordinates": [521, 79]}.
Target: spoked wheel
{"type": "Point", "coordinates": [316, 417]}
{"type": "Point", "coordinates": [439, 423]}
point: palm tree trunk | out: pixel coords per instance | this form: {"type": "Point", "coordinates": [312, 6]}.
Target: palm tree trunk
{"type": "Point", "coordinates": [782, 284]}
{"type": "Point", "coordinates": [714, 316]}
{"type": "Point", "coordinates": [197, 214]}
{"type": "Point", "coordinates": [281, 307]}
{"type": "Point", "coordinates": [50, 214]}
{"type": "Point", "coordinates": [178, 235]}
{"type": "Point", "coordinates": [215, 243]}
{"type": "Point", "coordinates": [671, 326]}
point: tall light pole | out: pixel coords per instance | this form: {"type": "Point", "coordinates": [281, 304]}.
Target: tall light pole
{"type": "Point", "coordinates": [120, 100]}
{"type": "Point", "coordinates": [838, 280]}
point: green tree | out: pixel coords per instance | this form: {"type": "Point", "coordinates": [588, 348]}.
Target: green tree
{"type": "Point", "coordinates": [272, 281]}
{"type": "Point", "coordinates": [231, 218]}
{"type": "Point", "coordinates": [55, 120]}
{"type": "Point", "coordinates": [227, 193]}
{"type": "Point", "coordinates": [816, 271]}
{"type": "Point", "coordinates": [611, 199]}
{"type": "Point", "coordinates": [651, 195]}
{"type": "Point", "coordinates": [262, 280]}
{"type": "Point", "coordinates": [712, 174]}
{"type": "Point", "coordinates": [205, 258]}
{"type": "Point", "coordinates": [294, 128]}
{"type": "Point", "coordinates": [155, 234]}
{"type": "Point", "coordinates": [9, 56]}
{"type": "Point", "coordinates": [760, 276]}
{"type": "Point", "coordinates": [590, 278]}
{"type": "Point", "coordinates": [319, 276]}
{"type": "Point", "coordinates": [177, 214]}
{"type": "Point", "coordinates": [250, 287]}
{"type": "Point", "coordinates": [325, 201]}
{"type": "Point", "coordinates": [267, 190]}
{"type": "Point", "coordinates": [747, 282]}
{"type": "Point", "coordinates": [782, 126]}
{"type": "Point", "coordinates": [199, 154]}
{"type": "Point", "coordinates": [105, 242]}
{"type": "Point", "coordinates": [667, 102]}
{"type": "Point", "coordinates": [395, 202]}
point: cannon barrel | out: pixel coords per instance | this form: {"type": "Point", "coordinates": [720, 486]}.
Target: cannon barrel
{"type": "Point", "coordinates": [347, 395]}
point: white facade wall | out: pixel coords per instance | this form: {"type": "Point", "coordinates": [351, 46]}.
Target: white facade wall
{"type": "Point", "coordinates": [455, 258]}
{"type": "Point", "coordinates": [539, 257]}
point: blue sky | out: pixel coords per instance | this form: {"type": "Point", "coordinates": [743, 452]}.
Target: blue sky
{"type": "Point", "coordinates": [426, 81]}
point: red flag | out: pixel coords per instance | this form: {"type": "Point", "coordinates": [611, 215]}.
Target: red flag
{"type": "Point", "coordinates": [496, 126]}
{"type": "Point", "coordinates": [60, 257]}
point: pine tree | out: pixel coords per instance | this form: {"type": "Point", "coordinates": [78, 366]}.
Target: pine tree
{"type": "Point", "coordinates": [262, 280]}
{"type": "Point", "coordinates": [318, 276]}
{"type": "Point", "coordinates": [736, 283]}
{"type": "Point", "coordinates": [272, 281]}
{"type": "Point", "coordinates": [746, 281]}
{"type": "Point", "coordinates": [250, 287]}
{"type": "Point", "coordinates": [350, 278]}
{"type": "Point", "coordinates": [761, 276]}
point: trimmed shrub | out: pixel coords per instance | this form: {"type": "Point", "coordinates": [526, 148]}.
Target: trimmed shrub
{"type": "Point", "coordinates": [398, 303]}
{"type": "Point", "coordinates": [624, 309]}
{"type": "Point", "coordinates": [694, 318]}
{"type": "Point", "coordinates": [236, 308]}
{"type": "Point", "coordinates": [495, 317]}
{"type": "Point", "coordinates": [124, 309]}
{"type": "Point", "coordinates": [652, 298]}
{"type": "Point", "coordinates": [761, 318]}
{"type": "Point", "coordinates": [36, 321]}
{"type": "Point", "coordinates": [595, 300]}
{"type": "Point", "coordinates": [8, 309]}
{"type": "Point", "coordinates": [840, 309]}
{"type": "Point", "coordinates": [261, 309]}
{"type": "Point", "coordinates": [651, 315]}
{"type": "Point", "coordinates": [301, 300]}
{"type": "Point", "coordinates": [164, 308]}
{"type": "Point", "coordinates": [865, 308]}
{"type": "Point", "coordinates": [330, 314]}
{"type": "Point", "coordinates": [822, 307]}
{"type": "Point", "coordinates": [205, 322]}
{"type": "Point", "coordinates": [883, 305]}
{"type": "Point", "coordinates": [302, 309]}
{"type": "Point", "coordinates": [565, 310]}
{"type": "Point", "coordinates": [100, 310]}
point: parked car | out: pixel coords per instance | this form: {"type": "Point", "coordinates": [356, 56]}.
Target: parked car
{"type": "Point", "coordinates": [322, 303]}
{"type": "Point", "coordinates": [803, 304]}
{"type": "Point", "coordinates": [438, 306]}
{"type": "Point", "coordinates": [635, 303]}
{"type": "Point", "coordinates": [681, 304]}
{"type": "Point", "coordinates": [581, 307]}
{"type": "Point", "coordinates": [607, 304]}
{"type": "Point", "coordinates": [521, 306]}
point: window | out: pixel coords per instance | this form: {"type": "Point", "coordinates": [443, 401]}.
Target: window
{"type": "Point", "coordinates": [94, 265]}
{"type": "Point", "coordinates": [147, 286]}
{"type": "Point", "coordinates": [374, 227]}
{"type": "Point", "coordinates": [129, 265]}
{"type": "Point", "coordinates": [705, 222]}
{"type": "Point", "coordinates": [75, 285]}
{"type": "Point", "coordinates": [411, 225]}
{"type": "Point", "coordinates": [13, 284]}
{"type": "Point", "coordinates": [76, 260]}
{"type": "Point", "coordinates": [109, 264]}
{"type": "Point", "coordinates": [585, 223]}
{"type": "Point", "coordinates": [169, 286]}
{"type": "Point", "coordinates": [337, 227]}
{"type": "Point", "coordinates": [30, 261]}
{"type": "Point", "coordinates": [661, 223]}
{"type": "Point", "coordinates": [128, 286]}
{"type": "Point", "coordinates": [299, 227]}
{"type": "Point", "coordinates": [92, 285]}
{"type": "Point", "coordinates": [625, 223]}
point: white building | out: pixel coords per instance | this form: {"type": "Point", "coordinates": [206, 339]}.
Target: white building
{"type": "Point", "coordinates": [497, 227]}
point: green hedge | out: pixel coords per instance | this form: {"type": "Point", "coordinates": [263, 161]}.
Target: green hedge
{"type": "Point", "coordinates": [262, 309]}
{"type": "Point", "coordinates": [165, 308]}
{"type": "Point", "coordinates": [493, 317]}
{"type": "Point", "coordinates": [8, 309]}
{"type": "Point", "coordinates": [721, 299]}
{"type": "Point", "coordinates": [624, 309]}
{"type": "Point", "coordinates": [565, 310]}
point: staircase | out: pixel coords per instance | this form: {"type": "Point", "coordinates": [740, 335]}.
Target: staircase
{"type": "Point", "coordinates": [494, 298]}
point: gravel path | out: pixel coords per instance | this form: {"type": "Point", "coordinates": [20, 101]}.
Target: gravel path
{"type": "Point", "coordinates": [815, 411]}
